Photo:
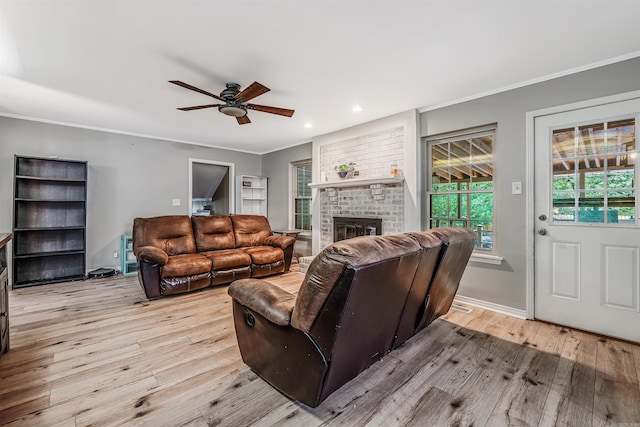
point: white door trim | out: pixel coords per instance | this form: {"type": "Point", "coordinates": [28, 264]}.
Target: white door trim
{"type": "Point", "coordinates": [530, 175]}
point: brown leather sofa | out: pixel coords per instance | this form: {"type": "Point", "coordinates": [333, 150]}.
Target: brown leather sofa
{"type": "Point", "coordinates": [179, 254]}
{"type": "Point", "coordinates": [360, 299]}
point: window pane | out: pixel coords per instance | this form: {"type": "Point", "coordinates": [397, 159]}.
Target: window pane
{"type": "Point", "coordinates": [439, 205]}
{"type": "Point", "coordinates": [482, 158]}
{"type": "Point", "coordinates": [563, 146]}
{"type": "Point", "coordinates": [302, 196]}
{"type": "Point", "coordinates": [444, 187]}
{"type": "Point", "coordinates": [464, 205]}
{"type": "Point", "coordinates": [482, 186]}
{"type": "Point", "coordinates": [453, 206]}
{"type": "Point", "coordinates": [621, 136]}
{"type": "Point", "coordinates": [564, 205]}
{"type": "Point", "coordinates": [621, 178]}
{"type": "Point", "coordinates": [460, 153]}
{"type": "Point", "coordinates": [593, 180]}
{"type": "Point", "coordinates": [484, 234]}
{"type": "Point", "coordinates": [591, 206]}
{"type": "Point", "coordinates": [622, 215]}
{"type": "Point", "coordinates": [591, 141]}
{"type": "Point", "coordinates": [482, 150]}
{"type": "Point", "coordinates": [303, 178]}
{"type": "Point", "coordinates": [302, 217]}
{"type": "Point", "coordinates": [564, 213]}
{"type": "Point", "coordinates": [564, 182]}
{"type": "Point", "coordinates": [482, 206]}
{"type": "Point", "coordinates": [462, 168]}
{"type": "Point", "coordinates": [439, 156]}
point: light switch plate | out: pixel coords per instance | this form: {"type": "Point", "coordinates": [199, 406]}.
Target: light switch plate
{"type": "Point", "coordinates": [176, 202]}
{"type": "Point", "coordinates": [516, 187]}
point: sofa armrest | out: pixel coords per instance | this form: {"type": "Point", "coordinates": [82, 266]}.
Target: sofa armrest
{"type": "Point", "coordinates": [282, 242]}
{"type": "Point", "coordinates": [266, 299]}
{"type": "Point", "coordinates": [152, 254]}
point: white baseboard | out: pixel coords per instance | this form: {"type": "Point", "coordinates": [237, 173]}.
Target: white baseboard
{"type": "Point", "coordinates": [502, 309]}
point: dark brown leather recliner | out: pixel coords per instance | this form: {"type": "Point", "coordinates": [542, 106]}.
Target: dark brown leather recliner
{"type": "Point", "coordinates": [360, 298]}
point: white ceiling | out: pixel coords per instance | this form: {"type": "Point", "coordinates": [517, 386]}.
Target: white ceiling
{"type": "Point", "coordinates": [106, 64]}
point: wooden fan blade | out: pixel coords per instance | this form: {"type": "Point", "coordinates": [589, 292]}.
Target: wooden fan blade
{"type": "Point", "coordinates": [198, 107]}
{"type": "Point", "coordinates": [253, 90]}
{"type": "Point", "coordinates": [243, 120]}
{"type": "Point", "coordinates": [188, 86]}
{"type": "Point", "coordinates": [272, 110]}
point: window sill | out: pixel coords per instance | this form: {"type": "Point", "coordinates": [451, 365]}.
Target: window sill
{"type": "Point", "coordinates": [486, 259]}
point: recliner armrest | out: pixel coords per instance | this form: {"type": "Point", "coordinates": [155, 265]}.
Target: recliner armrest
{"type": "Point", "coordinates": [280, 241]}
{"type": "Point", "coordinates": [152, 254]}
{"type": "Point", "coordinates": [270, 301]}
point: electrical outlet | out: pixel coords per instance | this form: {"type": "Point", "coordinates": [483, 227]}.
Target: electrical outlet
{"type": "Point", "coordinates": [115, 255]}
{"type": "Point", "coordinates": [176, 202]}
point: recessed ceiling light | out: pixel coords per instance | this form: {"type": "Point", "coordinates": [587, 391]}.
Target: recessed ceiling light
{"type": "Point", "coordinates": [307, 125]}
{"type": "Point", "coordinates": [356, 108]}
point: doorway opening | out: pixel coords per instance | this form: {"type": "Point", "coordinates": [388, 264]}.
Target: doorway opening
{"type": "Point", "coordinates": [211, 190]}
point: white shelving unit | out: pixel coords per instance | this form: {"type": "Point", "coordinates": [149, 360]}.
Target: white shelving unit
{"type": "Point", "coordinates": [251, 195]}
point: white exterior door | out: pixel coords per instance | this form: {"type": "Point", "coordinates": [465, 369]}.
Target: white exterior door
{"type": "Point", "coordinates": [587, 245]}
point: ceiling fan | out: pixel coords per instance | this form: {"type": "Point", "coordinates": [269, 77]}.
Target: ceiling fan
{"type": "Point", "coordinates": [235, 101]}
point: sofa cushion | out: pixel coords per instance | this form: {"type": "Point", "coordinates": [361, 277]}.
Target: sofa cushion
{"type": "Point", "coordinates": [186, 265]}
{"type": "Point", "coordinates": [172, 233]}
{"type": "Point", "coordinates": [228, 258]}
{"type": "Point", "coordinates": [250, 230]}
{"type": "Point", "coordinates": [264, 254]}
{"type": "Point", "coordinates": [213, 232]}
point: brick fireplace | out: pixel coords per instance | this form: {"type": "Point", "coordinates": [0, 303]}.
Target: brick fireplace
{"type": "Point", "coordinates": [373, 193]}
{"type": "Point", "coordinates": [373, 155]}
{"type": "Point", "coordinates": [386, 206]}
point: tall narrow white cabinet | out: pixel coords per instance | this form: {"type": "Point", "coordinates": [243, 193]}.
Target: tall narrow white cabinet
{"type": "Point", "coordinates": [251, 195]}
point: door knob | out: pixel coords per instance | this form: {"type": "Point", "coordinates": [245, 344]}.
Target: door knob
{"type": "Point", "coordinates": [542, 231]}
{"type": "Point", "coordinates": [542, 217]}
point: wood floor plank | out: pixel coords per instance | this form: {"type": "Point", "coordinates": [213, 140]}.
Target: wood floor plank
{"type": "Point", "coordinates": [617, 397]}
{"type": "Point", "coordinates": [524, 398]}
{"type": "Point", "coordinates": [181, 401]}
{"type": "Point", "coordinates": [566, 403]}
{"type": "Point", "coordinates": [98, 353]}
{"type": "Point", "coordinates": [636, 354]}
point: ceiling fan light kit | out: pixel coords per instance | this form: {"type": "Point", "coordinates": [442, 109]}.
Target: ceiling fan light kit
{"type": "Point", "coordinates": [235, 101]}
{"type": "Point", "coordinates": [232, 110]}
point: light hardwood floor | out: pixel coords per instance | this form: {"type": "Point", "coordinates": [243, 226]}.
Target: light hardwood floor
{"type": "Point", "coordinates": [97, 353]}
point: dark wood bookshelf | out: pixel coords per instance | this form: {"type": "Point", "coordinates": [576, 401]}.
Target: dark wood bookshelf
{"type": "Point", "coordinates": [49, 221]}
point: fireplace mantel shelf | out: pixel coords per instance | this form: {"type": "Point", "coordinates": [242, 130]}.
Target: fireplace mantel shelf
{"type": "Point", "coordinates": [355, 182]}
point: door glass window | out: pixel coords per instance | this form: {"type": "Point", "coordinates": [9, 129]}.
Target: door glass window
{"type": "Point", "coordinates": [594, 173]}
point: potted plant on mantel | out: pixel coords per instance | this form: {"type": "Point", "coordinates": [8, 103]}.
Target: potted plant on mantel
{"type": "Point", "coordinates": [345, 170]}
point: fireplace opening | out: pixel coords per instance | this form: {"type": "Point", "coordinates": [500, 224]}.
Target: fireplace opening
{"type": "Point", "coordinates": [349, 227]}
